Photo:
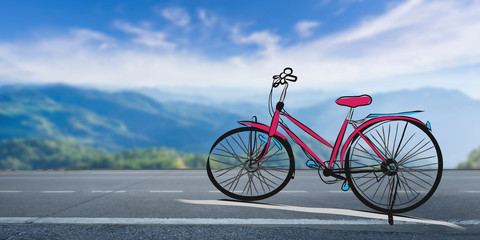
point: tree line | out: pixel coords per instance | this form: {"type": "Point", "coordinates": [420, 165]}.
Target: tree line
{"type": "Point", "coordinates": [33, 154]}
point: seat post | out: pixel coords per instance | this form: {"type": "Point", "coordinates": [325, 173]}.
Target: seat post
{"type": "Point", "coordinates": [349, 114]}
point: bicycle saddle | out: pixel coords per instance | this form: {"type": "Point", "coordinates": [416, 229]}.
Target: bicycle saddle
{"type": "Point", "coordinates": [354, 101]}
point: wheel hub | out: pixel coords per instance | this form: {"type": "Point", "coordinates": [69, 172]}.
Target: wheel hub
{"type": "Point", "coordinates": [390, 167]}
{"type": "Point", "coordinates": [250, 167]}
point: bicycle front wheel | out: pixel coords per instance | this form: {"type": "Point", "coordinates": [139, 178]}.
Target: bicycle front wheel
{"type": "Point", "coordinates": [410, 173]}
{"type": "Point", "coordinates": [230, 164]}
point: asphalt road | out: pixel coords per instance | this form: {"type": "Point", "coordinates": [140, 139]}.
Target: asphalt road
{"type": "Point", "coordinates": [184, 204]}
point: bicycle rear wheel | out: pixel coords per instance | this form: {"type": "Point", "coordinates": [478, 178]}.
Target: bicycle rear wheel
{"type": "Point", "coordinates": [410, 174]}
{"type": "Point", "coordinates": [229, 165]}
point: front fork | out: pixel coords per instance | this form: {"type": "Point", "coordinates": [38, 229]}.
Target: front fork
{"type": "Point", "coordinates": [271, 132]}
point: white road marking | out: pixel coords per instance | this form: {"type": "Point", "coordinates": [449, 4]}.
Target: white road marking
{"type": "Point", "coordinates": [216, 191]}
{"type": "Point", "coordinates": [340, 191]}
{"type": "Point", "coordinates": [5, 191]}
{"type": "Point", "coordinates": [57, 191]}
{"type": "Point", "coordinates": [293, 191]}
{"type": "Point", "coordinates": [209, 221]}
{"type": "Point", "coordinates": [108, 191]}
{"type": "Point", "coordinates": [333, 211]}
{"type": "Point", "coordinates": [166, 191]}
{"type": "Point", "coordinates": [472, 191]}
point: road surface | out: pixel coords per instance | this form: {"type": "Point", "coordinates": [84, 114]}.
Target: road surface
{"type": "Point", "coordinates": [184, 204]}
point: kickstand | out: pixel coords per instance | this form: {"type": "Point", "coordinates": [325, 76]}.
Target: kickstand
{"type": "Point", "coordinates": [392, 200]}
{"type": "Point", "coordinates": [390, 218]}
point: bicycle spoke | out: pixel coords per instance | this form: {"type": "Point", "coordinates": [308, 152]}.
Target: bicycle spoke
{"type": "Point", "coordinates": [416, 160]}
{"type": "Point", "coordinates": [421, 172]}
{"type": "Point", "coordinates": [224, 169]}
{"type": "Point", "coordinates": [233, 150]}
{"type": "Point", "coordinates": [260, 181]}
{"type": "Point", "coordinates": [266, 178]}
{"type": "Point", "coordinates": [411, 181]}
{"type": "Point", "coordinates": [379, 185]}
{"type": "Point", "coordinates": [373, 158]}
{"type": "Point", "coordinates": [430, 164]}
{"type": "Point", "coordinates": [387, 187]}
{"type": "Point", "coordinates": [394, 141]}
{"type": "Point", "coordinates": [225, 162]}
{"type": "Point", "coordinates": [238, 179]}
{"type": "Point", "coordinates": [388, 141]}
{"type": "Point", "coordinates": [405, 144]}
{"type": "Point", "coordinates": [240, 146]}
{"type": "Point", "coordinates": [382, 146]}
{"type": "Point", "coordinates": [404, 189]}
{"type": "Point", "coordinates": [400, 142]}
{"type": "Point", "coordinates": [408, 153]}
{"type": "Point", "coordinates": [244, 145]}
{"type": "Point", "coordinates": [232, 154]}
{"type": "Point", "coordinates": [411, 155]}
{"type": "Point", "coordinates": [406, 183]}
{"type": "Point", "coordinates": [411, 173]}
{"type": "Point", "coordinates": [275, 169]}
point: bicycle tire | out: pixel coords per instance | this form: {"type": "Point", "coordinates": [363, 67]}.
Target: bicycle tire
{"type": "Point", "coordinates": [229, 158]}
{"type": "Point", "coordinates": [412, 163]}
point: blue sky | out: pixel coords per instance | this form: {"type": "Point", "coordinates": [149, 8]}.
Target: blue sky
{"type": "Point", "coordinates": [355, 45]}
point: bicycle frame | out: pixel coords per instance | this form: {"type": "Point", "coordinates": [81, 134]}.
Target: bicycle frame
{"type": "Point", "coordinates": [272, 130]}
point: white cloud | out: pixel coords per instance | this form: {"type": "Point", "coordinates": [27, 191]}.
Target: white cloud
{"type": "Point", "coordinates": [267, 41]}
{"type": "Point", "coordinates": [304, 28]}
{"type": "Point", "coordinates": [414, 37]}
{"type": "Point", "coordinates": [145, 36]}
{"type": "Point", "coordinates": [206, 18]}
{"type": "Point", "coordinates": [176, 15]}
{"type": "Point", "coordinates": [411, 39]}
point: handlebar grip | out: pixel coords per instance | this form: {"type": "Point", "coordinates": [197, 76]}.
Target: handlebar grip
{"type": "Point", "coordinates": [291, 78]}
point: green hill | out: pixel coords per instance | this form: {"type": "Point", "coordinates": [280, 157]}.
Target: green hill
{"type": "Point", "coordinates": [31, 154]}
{"type": "Point", "coordinates": [472, 162]}
{"type": "Point", "coordinates": [114, 121]}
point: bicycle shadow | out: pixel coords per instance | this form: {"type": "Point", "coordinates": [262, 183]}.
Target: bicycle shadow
{"type": "Point", "coordinates": [330, 211]}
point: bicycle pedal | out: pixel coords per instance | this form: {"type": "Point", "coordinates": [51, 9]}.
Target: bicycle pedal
{"type": "Point", "coordinates": [312, 164]}
{"type": "Point", "coordinates": [345, 186]}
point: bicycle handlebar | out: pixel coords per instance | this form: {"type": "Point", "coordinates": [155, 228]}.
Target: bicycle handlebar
{"type": "Point", "coordinates": [283, 77]}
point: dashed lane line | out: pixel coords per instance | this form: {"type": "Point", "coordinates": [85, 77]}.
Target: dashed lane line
{"type": "Point", "coordinates": [109, 191]}
{"type": "Point", "coordinates": [57, 191]}
{"type": "Point", "coordinates": [299, 191]}
{"type": "Point", "coordinates": [165, 191]}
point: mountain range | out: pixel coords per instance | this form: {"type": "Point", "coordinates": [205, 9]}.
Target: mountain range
{"type": "Point", "coordinates": [452, 114]}
{"type": "Point", "coordinates": [191, 122]}
{"type": "Point", "coordinates": [113, 121]}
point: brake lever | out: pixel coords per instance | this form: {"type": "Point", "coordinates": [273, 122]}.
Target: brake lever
{"type": "Point", "coordinates": [277, 80]}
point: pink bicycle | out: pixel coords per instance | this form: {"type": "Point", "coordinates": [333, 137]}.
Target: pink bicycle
{"type": "Point", "coordinates": [391, 162]}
